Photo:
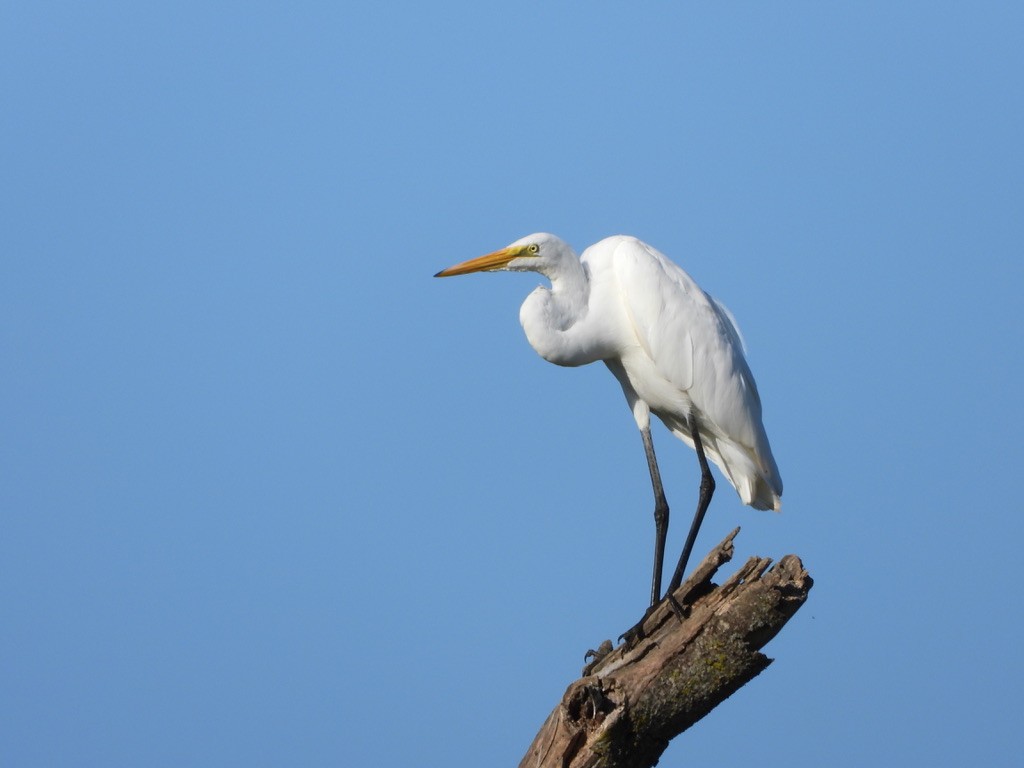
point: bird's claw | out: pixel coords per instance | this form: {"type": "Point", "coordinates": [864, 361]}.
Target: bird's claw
{"type": "Point", "coordinates": [633, 635]}
{"type": "Point", "coordinates": [598, 656]}
{"type": "Point", "coordinates": [636, 633]}
{"type": "Point", "coordinates": [602, 650]}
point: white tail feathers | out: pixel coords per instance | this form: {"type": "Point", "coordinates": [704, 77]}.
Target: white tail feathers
{"type": "Point", "coordinates": [757, 488]}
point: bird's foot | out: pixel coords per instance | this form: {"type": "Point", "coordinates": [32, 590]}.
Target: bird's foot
{"type": "Point", "coordinates": [636, 633]}
{"type": "Point", "coordinates": [598, 656]}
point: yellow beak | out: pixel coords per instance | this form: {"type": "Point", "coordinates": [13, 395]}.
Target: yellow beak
{"type": "Point", "coordinates": [491, 261]}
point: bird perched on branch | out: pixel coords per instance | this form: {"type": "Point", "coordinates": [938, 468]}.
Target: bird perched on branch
{"type": "Point", "coordinates": [675, 350]}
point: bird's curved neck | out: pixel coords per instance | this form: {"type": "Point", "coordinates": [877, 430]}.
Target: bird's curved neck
{"type": "Point", "coordinates": [555, 318]}
{"type": "Point", "coordinates": [569, 293]}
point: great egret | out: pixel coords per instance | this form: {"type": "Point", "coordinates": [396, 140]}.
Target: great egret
{"type": "Point", "coordinates": [675, 350]}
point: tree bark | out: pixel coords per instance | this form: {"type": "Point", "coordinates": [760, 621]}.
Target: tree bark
{"type": "Point", "coordinates": [688, 659]}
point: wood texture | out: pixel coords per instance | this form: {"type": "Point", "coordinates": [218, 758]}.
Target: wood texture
{"type": "Point", "coordinates": [632, 701]}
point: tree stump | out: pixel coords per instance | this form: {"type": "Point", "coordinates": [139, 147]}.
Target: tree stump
{"type": "Point", "coordinates": [689, 658]}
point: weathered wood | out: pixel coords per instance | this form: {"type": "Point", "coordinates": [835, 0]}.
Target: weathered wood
{"type": "Point", "coordinates": [632, 701]}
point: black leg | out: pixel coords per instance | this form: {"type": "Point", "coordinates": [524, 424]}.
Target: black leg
{"type": "Point", "coordinates": [660, 515]}
{"type": "Point", "coordinates": [707, 489]}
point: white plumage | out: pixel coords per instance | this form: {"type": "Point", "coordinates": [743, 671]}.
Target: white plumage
{"type": "Point", "coordinates": [675, 350]}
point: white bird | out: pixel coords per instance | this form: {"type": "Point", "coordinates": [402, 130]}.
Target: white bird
{"type": "Point", "coordinates": [676, 351]}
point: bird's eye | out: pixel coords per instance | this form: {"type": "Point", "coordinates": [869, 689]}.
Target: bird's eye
{"type": "Point", "coordinates": [533, 248]}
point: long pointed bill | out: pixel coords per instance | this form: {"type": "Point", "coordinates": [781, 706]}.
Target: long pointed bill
{"type": "Point", "coordinates": [492, 261]}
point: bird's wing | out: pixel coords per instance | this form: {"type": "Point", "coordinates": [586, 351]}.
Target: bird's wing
{"type": "Point", "coordinates": [730, 323]}
{"type": "Point", "coordinates": [695, 361]}
{"type": "Point", "coordinates": [691, 338]}
{"type": "Point", "coordinates": [667, 308]}
{"type": "Point", "coordinates": [657, 300]}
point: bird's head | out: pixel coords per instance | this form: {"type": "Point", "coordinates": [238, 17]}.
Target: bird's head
{"type": "Point", "coordinates": [533, 253]}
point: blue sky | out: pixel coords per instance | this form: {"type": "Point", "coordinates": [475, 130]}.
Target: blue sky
{"type": "Point", "coordinates": [272, 495]}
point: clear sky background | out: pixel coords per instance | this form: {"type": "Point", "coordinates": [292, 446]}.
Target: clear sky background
{"type": "Point", "coordinates": [272, 495]}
